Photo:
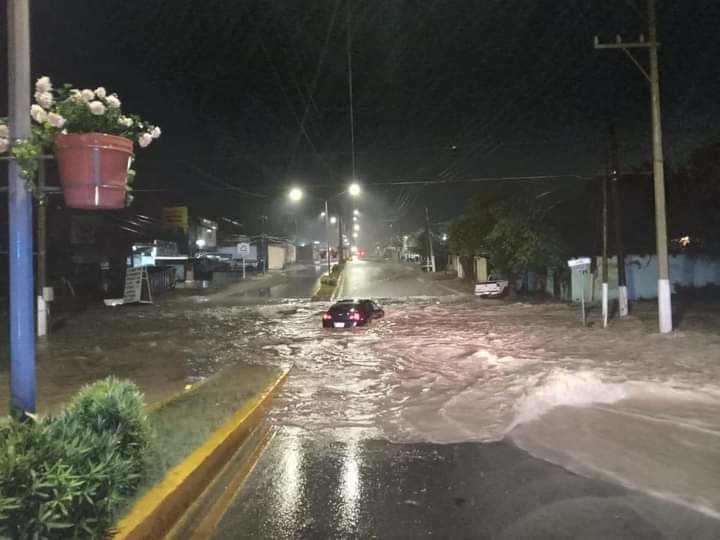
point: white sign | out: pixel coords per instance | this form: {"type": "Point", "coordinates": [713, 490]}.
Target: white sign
{"type": "Point", "coordinates": [135, 278]}
{"type": "Point", "coordinates": [582, 261]}
{"type": "Point", "coordinates": [243, 248]}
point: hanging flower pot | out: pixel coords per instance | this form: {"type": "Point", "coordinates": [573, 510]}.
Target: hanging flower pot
{"type": "Point", "coordinates": [93, 169]}
{"type": "Point", "coordinates": [92, 140]}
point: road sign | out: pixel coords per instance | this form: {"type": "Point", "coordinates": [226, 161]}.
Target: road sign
{"type": "Point", "coordinates": [582, 265]}
{"type": "Point", "coordinates": [175, 217]}
{"type": "Point", "coordinates": [582, 261]}
{"type": "Point", "coordinates": [243, 248]}
{"type": "Point", "coordinates": [137, 282]}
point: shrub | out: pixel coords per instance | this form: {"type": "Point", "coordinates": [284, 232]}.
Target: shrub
{"type": "Point", "coordinates": [327, 280]}
{"type": "Point", "coordinates": [66, 477]}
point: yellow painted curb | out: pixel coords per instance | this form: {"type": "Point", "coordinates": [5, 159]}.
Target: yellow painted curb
{"type": "Point", "coordinates": [159, 509]}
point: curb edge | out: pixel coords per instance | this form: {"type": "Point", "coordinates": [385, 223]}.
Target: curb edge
{"type": "Point", "coordinates": [156, 512]}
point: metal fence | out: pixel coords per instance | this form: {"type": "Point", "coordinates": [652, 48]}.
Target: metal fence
{"type": "Point", "coordinates": [162, 278]}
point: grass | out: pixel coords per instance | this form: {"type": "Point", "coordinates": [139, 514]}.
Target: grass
{"type": "Point", "coordinates": [329, 283]}
{"type": "Point", "coordinates": [325, 292]}
{"type": "Point", "coordinates": [184, 423]}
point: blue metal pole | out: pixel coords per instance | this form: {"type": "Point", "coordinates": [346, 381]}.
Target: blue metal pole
{"type": "Point", "coordinates": [20, 248]}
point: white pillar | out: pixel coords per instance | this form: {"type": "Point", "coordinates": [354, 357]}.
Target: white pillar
{"type": "Point", "coordinates": [622, 301]}
{"type": "Point", "coordinates": [664, 306]}
{"type": "Point", "coordinates": [605, 304]}
{"type": "Point", "coordinates": [41, 316]}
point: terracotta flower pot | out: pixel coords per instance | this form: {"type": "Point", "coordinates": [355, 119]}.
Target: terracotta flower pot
{"type": "Point", "coordinates": [93, 169]}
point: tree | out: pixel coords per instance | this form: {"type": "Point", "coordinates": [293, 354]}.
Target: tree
{"type": "Point", "coordinates": [513, 231]}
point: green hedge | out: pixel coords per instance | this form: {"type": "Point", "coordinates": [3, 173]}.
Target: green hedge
{"type": "Point", "coordinates": [65, 477]}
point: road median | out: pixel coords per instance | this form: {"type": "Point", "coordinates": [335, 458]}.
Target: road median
{"type": "Point", "coordinates": [330, 284]}
{"type": "Point", "coordinates": [155, 513]}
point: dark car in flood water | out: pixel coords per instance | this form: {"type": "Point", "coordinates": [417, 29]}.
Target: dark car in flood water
{"type": "Point", "coordinates": [351, 313]}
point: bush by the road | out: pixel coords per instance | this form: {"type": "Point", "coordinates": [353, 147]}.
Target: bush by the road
{"type": "Point", "coordinates": [329, 280]}
{"type": "Point", "coordinates": [66, 477]}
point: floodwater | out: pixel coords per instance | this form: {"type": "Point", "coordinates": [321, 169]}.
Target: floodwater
{"type": "Point", "coordinates": [636, 408]}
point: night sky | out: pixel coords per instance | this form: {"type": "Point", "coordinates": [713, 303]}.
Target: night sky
{"type": "Point", "coordinates": [253, 95]}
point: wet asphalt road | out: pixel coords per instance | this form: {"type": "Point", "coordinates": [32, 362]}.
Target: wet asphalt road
{"type": "Point", "coordinates": [387, 279]}
{"type": "Point", "coordinates": [345, 483]}
{"type": "Point", "coordinates": [321, 487]}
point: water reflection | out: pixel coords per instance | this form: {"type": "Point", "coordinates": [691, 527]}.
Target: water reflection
{"type": "Point", "coordinates": [350, 485]}
{"type": "Point", "coordinates": [290, 482]}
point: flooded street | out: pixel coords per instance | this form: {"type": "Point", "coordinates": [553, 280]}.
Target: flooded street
{"type": "Point", "coordinates": [414, 389]}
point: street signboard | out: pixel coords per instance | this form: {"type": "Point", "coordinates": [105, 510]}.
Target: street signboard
{"type": "Point", "coordinates": [137, 281]}
{"type": "Point", "coordinates": [582, 265]}
{"type": "Point", "coordinates": [243, 249]}
{"type": "Point", "coordinates": [582, 261]}
{"type": "Point", "coordinates": [175, 217]}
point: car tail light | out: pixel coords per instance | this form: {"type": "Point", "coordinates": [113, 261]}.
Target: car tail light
{"type": "Point", "coordinates": [326, 316]}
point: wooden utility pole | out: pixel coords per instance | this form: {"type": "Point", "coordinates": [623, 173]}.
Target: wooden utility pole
{"type": "Point", "coordinates": [617, 211]}
{"type": "Point", "coordinates": [431, 251]}
{"type": "Point", "coordinates": [42, 310]}
{"type": "Point", "coordinates": [605, 251]}
{"type": "Point", "coordinates": [653, 77]}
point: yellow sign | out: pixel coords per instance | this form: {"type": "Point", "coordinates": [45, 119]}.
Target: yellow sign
{"type": "Point", "coordinates": [175, 217]}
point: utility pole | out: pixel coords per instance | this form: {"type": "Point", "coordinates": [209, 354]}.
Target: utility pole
{"type": "Point", "coordinates": [428, 233]}
{"type": "Point", "coordinates": [664, 300]}
{"type": "Point", "coordinates": [20, 241]}
{"type": "Point", "coordinates": [619, 245]}
{"type": "Point", "coordinates": [327, 235]}
{"type": "Point", "coordinates": [42, 311]}
{"type": "Point", "coordinates": [264, 252]}
{"type": "Point", "coordinates": [605, 251]}
{"type": "Point", "coordinates": [340, 238]}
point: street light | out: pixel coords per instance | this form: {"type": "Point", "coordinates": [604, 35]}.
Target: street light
{"type": "Point", "coordinates": [355, 218]}
{"type": "Point", "coordinates": [356, 227]}
{"type": "Point", "coordinates": [356, 212]}
{"type": "Point", "coordinates": [355, 235]}
{"type": "Point", "coordinates": [295, 194]}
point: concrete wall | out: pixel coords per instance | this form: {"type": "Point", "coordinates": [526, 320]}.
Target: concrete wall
{"type": "Point", "coordinates": [641, 272]}
{"type": "Point", "coordinates": [276, 257]}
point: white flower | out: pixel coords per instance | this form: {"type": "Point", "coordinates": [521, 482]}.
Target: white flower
{"type": "Point", "coordinates": [4, 145]}
{"type": "Point", "coordinates": [43, 84]}
{"type": "Point", "coordinates": [125, 121]}
{"type": "Point", "coordinates": [4, 131]}
{"type": "Point", "coordinates": [113, 101]}
{"type": "Point", "coordinates": [100, 92]}
{"type": "Point", "coordinates": [97, 108]}
{"type": "Point", "coordinates": [38, 114]}
{"type": "Point", "coordinates": [145, 139]}
{"type": "Point", "coordinates": [76, 95]}
{"type": "Point", "coordinates": [87, 95]}
{"type": "Point", "coordinates": [45, 99]}
{"type": "Point", "coordinates": [156, 132]}
{"type": "Point", "coordinates": [55, 120]}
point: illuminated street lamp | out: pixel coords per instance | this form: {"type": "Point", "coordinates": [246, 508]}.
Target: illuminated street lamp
{"type": "Point", "coordinates": [356, 212]}
{"type": "Point", "coordinates": [295, 194]}
{"type": "Point", "coordinates": [355, 218]}
{"type": "Point", "coordinates": [356, 227]}
{"type": "Point", "coordinates": [355, 235]}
